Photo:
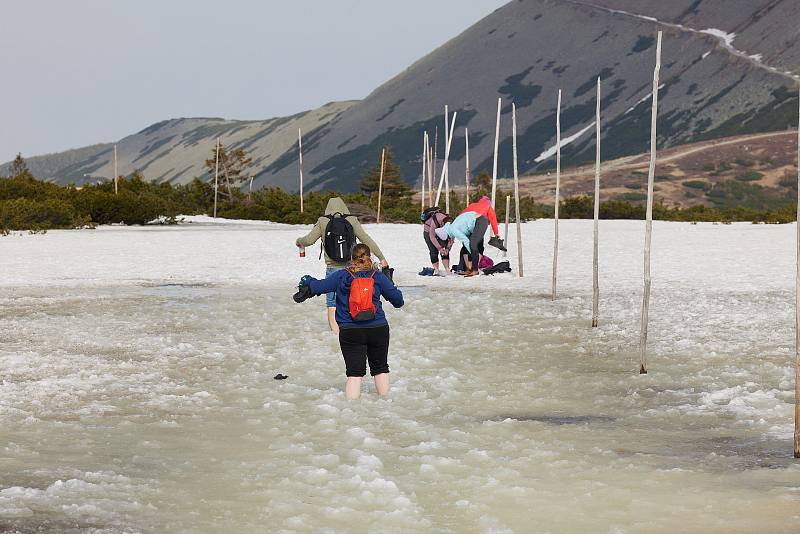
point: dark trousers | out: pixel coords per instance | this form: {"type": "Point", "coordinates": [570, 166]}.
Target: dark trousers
{"type": "Point", "coordinates": [360, 345]}
{"type": "Point", "coordinates": [476, 241]}
{"type": "Point", "coordinates": [433, 251]}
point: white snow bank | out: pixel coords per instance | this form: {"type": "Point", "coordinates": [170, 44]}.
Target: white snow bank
{"type": "Point", "coordinates": [726, 37]}
{"type": "Point", "coordinates": [564, 142]}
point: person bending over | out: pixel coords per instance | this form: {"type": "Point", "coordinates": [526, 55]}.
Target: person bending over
{"type": "Point", "coordinates": [468, 228]}
{"type": "Point", "coordinates": [363, 329]}
{"type": "Point", "coordinates": [338, 242]}
{"type": "Point", "coordinates": [434, 218]}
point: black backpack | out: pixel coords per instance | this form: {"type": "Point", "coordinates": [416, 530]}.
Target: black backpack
{"type": "Point", "coordinates": [502, 267]}
{"type": "Point", "coordinates": [429, 212]}
{"type": "Point", "coordinates": [339, 238]}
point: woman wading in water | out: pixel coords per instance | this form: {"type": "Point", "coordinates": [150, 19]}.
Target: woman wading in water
{"type": "Point", "coordinates": [363, 329]}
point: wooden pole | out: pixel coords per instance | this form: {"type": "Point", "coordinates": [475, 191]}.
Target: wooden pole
{"type": "Point", "coordinates": [649, 215]}
{"type": "Point", "coordinates": [446, 157]}
{"type": "Point", "coordinates": [508, 211]}
{"type": "Point", "coordinates": [216, 178]}
{"type": "Point", "coordinates": [496, 146]}
{"type": "Point", "coordinates": [446, 170]}
{"type": "Point", "coordinates": [797, 309]}
{"type": "Point", "coordinates": [300, 152]}
{"type": "Point", "coordinates": [467, 171]}
{"type": "Point", "coordinates": [380, 186]}
{"type": "Point", "coordinates": [424, 168]}
{"type": "Point", "coordinates": [430, 173]}
{"type": "Point", "coordinates": [435, 156]}
{"type": "Point", "coordinates": [516, 186]}
{"type": "Point", "coordinates": [116, 174]}
{"type": "Point", "coordinates": [558, 195]}
{"type": "Point", "coordinates": [596, 251]}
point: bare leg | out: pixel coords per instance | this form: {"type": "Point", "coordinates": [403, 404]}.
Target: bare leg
{"type": "Point", "coordinates": [446, 265]}
{"type": "Point", "coordinates": [382, 384]}
{"type": "Point", "coordinates": [435, 266]}
{"type": "Point", "coordinates": [352, 389]}
{"type": "Point", "coordinates": [332, 321]}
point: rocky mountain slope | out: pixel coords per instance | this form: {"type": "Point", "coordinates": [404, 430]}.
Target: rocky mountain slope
{"type": "Point", "coordinates": [729, 67]}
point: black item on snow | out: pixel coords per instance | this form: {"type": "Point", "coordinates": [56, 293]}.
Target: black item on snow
{"type": "Point", "coordinates": [388, 272]}
{"type": "Point", "coordinates": [496, 242]}
{"type": "Point", "coordinates": [303, 294]}
{"type": "Point", "coordinates": [339, 238]}
{"type": "Point", "coordinates": [502, 267]}
{"type": "Point", "coordinates": [280, 377]}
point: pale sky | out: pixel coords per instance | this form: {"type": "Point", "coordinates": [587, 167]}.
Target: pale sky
{"type": "Point", "coordinates": [80, 72]}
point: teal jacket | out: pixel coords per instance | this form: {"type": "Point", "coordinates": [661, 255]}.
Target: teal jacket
{"type": "Point", "coordinates": [462, 227]}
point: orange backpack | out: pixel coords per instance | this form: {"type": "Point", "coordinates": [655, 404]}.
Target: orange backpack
{"type": "Point", "coordinates": [361, 292]}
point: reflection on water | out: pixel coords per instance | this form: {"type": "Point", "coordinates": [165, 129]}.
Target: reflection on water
{"type": "Point", "coordinates": [154, 408]}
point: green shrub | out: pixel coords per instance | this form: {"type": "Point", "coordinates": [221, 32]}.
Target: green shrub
{"type": "Point", "coordinates": [633, 197]}
{"type": "Point", "coordinates": [697, 184]}
{"type": "Point", "coordinates": [749, 176]}
{"type": "Point", "coordinates": [634, 185]}
{"type": "Point", "coordinates": [28, 214]}
{"type": "Point", "coordinates": [663, 178]}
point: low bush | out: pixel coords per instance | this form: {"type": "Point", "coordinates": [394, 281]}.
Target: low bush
{"type": "Point", "coordinates": [697, 184]}
{"type": "Point", "coordinates": [749, 176]}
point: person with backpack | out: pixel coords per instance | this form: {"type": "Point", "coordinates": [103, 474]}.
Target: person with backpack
{"type": "Point", "coordinates": [363, 329]}
{"type": "Point", "coordinates": [433, 218]}
{"type": "Point", "coordinates": [338, 231]}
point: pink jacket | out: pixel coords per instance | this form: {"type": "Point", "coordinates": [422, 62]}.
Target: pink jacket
{"type": "Point", "coordinates": [484, 207]}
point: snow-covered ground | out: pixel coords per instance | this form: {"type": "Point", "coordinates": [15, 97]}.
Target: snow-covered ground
{"type": "Point", "coordinates": [137, 390]}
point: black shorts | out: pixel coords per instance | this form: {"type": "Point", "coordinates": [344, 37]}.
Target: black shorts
{"type": "Point", "coordinates": [362, 344]}
{"type": "Point", "coordinates": [433, 251]}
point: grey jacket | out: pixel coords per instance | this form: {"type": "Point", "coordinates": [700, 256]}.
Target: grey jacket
{"type": "Point", "coordinates": [337, 205]}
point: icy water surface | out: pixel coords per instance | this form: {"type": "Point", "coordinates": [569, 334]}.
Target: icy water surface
{"type": "Point", "coordinates": [152, 407]}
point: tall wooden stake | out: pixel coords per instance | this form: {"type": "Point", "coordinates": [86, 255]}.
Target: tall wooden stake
{"type": "Point", "coordinates": [466, 172]}
{"type": "Point", "coordinates": [797, 309]}
{"type": "Point", "coordinates": [446, 158]}
{"type": "Point", "coordinates": [380, 186]}
{"type": "Point", "coordinates": [596, 250]}
{"type": "Point", "coordinates": [496, 147]}
{"type": "Point", "coordinates": [430, 173]}
{"type": "Point", "coordinates": [446, 165]}
{"type": "Point", "coordinates": [516, 186]}
{"type": "Point", "coordinates": [216, 178]}
{"type": "Point", "coordinates": [116, 174]}
{"type": "Point", "coordinates": [508, 211]}
{"type": "Point", "coordinates": [424, 168]}
{"type": "Point", "coordinates": [649, 216]}
{"type": "Point", "coordinates": [435, 156]}
{"type": "Point", "coordinates": [300, 151]}
{"type": "Point", "coordinates": [558, 195]}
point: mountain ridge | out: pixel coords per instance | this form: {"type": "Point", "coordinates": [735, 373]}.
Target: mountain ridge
{"type": "Point", "coordinates": [728, 69]}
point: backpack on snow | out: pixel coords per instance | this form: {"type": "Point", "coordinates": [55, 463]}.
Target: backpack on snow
{"type": "Point", "coordinates": [361, 292]}
{"type": "Point", "coordinates": [339, 238]}
{"type": "Point", "coordinates": [502, 267]}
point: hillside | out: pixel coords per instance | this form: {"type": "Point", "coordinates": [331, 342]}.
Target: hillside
{"type": "Point", "coordinates": [756, 170]}
{"type": "Point", "coordinates": [729, 69]}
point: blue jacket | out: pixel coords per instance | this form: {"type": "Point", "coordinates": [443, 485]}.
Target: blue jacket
{"type": "Point", "coordinates": [340, 282]}
{"type": "Point", "coordinates": [462, 227]}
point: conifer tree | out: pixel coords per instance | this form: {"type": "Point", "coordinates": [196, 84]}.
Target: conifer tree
{"type": "Point", "coordinates": [19, 167]}
{"type": "Point", "coordinates": [393, 184]}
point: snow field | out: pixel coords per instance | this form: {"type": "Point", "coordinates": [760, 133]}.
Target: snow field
{"type": "Point", "coordinates": [137, 389]}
